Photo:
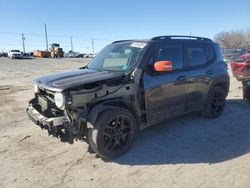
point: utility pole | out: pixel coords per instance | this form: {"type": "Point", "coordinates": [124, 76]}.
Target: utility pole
{"type": "Point", "coordinates": [93, 48]}
{"type": "Point", "coordinates": [23, 43]}
{"type": "Point", "coordinates": [71, 41]}
{"type": "Point", "coordinates": [46, 37]}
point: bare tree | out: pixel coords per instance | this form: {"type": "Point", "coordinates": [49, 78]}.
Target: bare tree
{"type": "Point", "coordinates": [248, 38]}
{"type": "Point", "coordinates": [233, 39]}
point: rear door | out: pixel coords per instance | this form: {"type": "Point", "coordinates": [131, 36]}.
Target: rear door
{"type": "Point", "coordinates": [199, 60]}
{"type": "Point", "coordinates": [165, 92]}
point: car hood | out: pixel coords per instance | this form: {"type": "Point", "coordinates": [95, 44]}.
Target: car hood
{"type": "Point", "coordinates": [68, 79]}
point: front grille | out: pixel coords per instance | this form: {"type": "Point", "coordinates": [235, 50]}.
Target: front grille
{"type": "Point", "coordinates": [47, 106]}
{"type": "Point", "coordinates": [48, 94]}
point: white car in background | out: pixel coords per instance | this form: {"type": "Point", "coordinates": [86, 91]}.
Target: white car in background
{"type": "Point", "coordinates": [89, 55]}
{"type": "Point", "coordinates": [12, 54]}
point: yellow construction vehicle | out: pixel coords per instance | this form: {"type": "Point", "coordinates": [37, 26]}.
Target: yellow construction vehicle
{"type": "Point", "coordinates": [56, 51]}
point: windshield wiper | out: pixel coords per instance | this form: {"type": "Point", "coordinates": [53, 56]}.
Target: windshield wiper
{"type": "Point", "coordinates": [85, 67]}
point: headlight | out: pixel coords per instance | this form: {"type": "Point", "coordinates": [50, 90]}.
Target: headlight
{"type": "Point", "coordinates": [59, 100]}
{"type": "Point", "coordinates": [36, 88]}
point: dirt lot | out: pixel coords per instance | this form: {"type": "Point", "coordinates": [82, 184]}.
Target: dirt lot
{"type": "Point", "coordinates": [190, 151]}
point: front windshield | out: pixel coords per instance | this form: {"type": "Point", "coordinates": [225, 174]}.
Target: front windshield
{"type": "Point", "coordinates": [15, 51]}
{"type": "Point", "coordinates": [118, 56]}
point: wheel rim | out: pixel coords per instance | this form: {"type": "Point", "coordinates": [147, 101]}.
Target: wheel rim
{"type": "Point", "coordinates": [217, 104]}
{"type": "Point", "coordinates": [118, 133]}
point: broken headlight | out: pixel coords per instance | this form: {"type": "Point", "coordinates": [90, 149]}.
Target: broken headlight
{"type": "Point", "coordinates": [36, 88]}
{"type": "Point", "coordinates": [60, 100]}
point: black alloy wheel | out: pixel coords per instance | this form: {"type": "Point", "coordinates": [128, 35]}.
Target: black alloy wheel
{"type": "Point", "coordinates": [113, 134]}
{"type": "Point", "coordinates": [215, 103]}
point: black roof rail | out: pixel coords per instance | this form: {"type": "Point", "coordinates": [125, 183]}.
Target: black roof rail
{"type": "Point", "coordinates": [169, 37]}
{"type": "Point", "coordinates": [120, 41]}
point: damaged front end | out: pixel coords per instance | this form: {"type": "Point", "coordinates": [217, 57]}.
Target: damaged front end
{"type": "Point", "coordinates": [70, 101]}
{"type": "Point", "coordinates": [80, 106]}
{"type": "Point", "coordinates": [44, 113]}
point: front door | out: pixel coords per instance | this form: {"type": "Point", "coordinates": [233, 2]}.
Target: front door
{"type": "Point", "coordinates": [165, 92]}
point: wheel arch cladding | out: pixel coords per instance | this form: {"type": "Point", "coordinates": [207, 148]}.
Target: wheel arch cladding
{"type": "Point", "coordinates": [99, 108]}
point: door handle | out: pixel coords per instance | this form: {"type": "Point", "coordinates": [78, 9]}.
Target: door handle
{"type": "Point", "coordinates": [210, 72]}
{"type": "Point", "coordinates": [181, 78]}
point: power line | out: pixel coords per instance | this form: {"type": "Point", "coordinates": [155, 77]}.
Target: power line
{"type": "Point", "coordinates": [81, 42]}
{"type": "Point", "coordinates": [52, 35]}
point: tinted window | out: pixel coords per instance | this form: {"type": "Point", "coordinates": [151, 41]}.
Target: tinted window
{"type": "Point", "coordinates": [196, 56]}
{"type": "Point", "coordinates": [172, 53]}
{"type": "Point", "coordinates": [218, 52]}
{"type": "Point", "coordinates": [210, 53]}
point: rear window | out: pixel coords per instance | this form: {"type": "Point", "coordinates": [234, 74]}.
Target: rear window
{"type": "Point", "coordinates": [239, 60]}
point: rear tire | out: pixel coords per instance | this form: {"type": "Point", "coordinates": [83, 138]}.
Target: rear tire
{"type": "Point", "coordinates": [215, 103]}
{"type": "Point", "coordinates": [246, 90]}
{"type": "Point", "coordinates": [113, 133]}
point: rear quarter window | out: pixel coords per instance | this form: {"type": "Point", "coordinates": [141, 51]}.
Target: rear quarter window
{"type": "Point", "coordinates": [210, 53]}
{"type": "Point", "coordinates": [218, 52]}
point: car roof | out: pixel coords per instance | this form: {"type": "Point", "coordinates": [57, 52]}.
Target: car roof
{"type": "Point", "coordinates": [171, 38]}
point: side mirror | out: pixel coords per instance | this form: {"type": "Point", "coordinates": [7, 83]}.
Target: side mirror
{"type": "Point", "coordinates": [163, 66]}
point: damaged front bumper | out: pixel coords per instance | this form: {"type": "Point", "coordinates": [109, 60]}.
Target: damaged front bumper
{"type": "Point", "coordinates": [41, 120]}
{"type": "Point", "coordinates": [56, 125]}
{"type": "Point", "coordinates": [52, 124]}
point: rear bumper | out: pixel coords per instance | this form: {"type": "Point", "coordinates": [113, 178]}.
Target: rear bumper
{"type": "Point", "coordinates": [43, 121]}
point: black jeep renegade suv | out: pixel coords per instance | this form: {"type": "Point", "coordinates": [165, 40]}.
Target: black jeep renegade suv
{"type": "Point", "coordinates": [130, 85]}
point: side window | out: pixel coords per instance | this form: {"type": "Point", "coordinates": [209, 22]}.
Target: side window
{"type": "Point", "coordinates": [196, 55]}
{"type": "Point", "coordinates": [210, 53]}
{"type": "Point", "coordinates": [172, 53]}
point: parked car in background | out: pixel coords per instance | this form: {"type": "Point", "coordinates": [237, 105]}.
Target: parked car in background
{"type": "Point", "coordinates": [241, 67]}
{"type": "Point", "coordinates": [72, 54]}
{"type": "Point", "coordinates": [14, 54]}
{"type": "Point", "coordinates": [241, 71]}
{"type": "Point", "coordinates": [28, 54]}
{"type": "Point", "coordinates": [3, 54]}
{"type": "Point", "coordinates": [129, 86]}
{"type": "Point", "coordinates": [230, 55]}
{"type": "Point", "coordinates": [89, 55]}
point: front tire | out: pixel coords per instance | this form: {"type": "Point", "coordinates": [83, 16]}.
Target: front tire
{"type": "Point", "coordinates": [215, 103]}
{"type": "Point", "coordinates": [113, 133]}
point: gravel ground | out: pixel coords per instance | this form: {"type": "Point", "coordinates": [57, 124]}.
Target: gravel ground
{"type": "Point", "coordinates": [190, 151]}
